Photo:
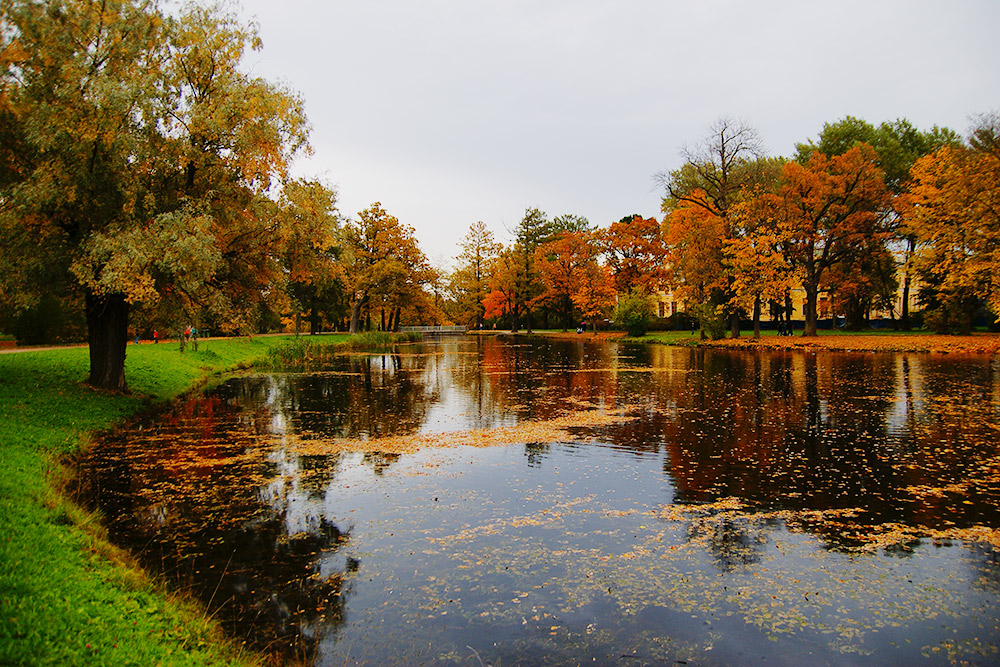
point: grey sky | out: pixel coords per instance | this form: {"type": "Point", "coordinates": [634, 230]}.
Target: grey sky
{"type": "Point", "coordinates": [449, 112]}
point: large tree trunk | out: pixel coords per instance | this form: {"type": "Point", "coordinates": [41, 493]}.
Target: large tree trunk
{"type": "Point", "coordinates": [911, 245]}
{"type": "Point", "coordinates": [756, 316]}
{"type": "Point", "coordinates": [905, 306]}
{"type": "Point", "coordinates": [809, 309]}
{"type": "Point", "coordinates": [107, 334]}
{"type": "Point", "coordinates": [356, 314]}
{"type": "Point", "coordinates": [314, 324]}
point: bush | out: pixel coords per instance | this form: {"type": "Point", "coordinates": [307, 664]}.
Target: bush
{"type": "Point", "coordinates": [634, 313]}
{"type": "Point", "coordinates": [712, 318]}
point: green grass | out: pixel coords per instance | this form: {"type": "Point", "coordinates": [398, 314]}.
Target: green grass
{"type": "Point", "coordinates": [67, 596]}
{"type": "Point", "coordinates": [666, 337]}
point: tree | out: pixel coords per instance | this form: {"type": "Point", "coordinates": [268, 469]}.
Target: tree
{"type": "Point", "coordinates": [533, 230]}
{"type": "Point", "coordinates": [635, 254]}
{"type": "Point", "coordinates": [310, 249]}
{"type": "Point", "coordinates": [564, 263]}
{"type": "Point", "coordinates": [594, 293]}
{"type": "Point", "coordinates": [381, 261]}
{"type": "Point", "coordinates": [694, 240]}
{"type": "Point", "coordinates": [568, 222]}
{"type": "Point", "coordinates": [470, 280]}
{"type": "Point", "coordinates": [759, 272]}
{"type": "Point", "coordinates": [955, 213]}
{"type": "Point", "coordinates": [374, 254]}
{"type": "Point", "coordinates": [897, 144]}
{"type": "Point", "coordinates": [634, 312]}
{"type": "Point", "coordinates": [714, 174]}
{"type": "Point", "coordinates": [825, 210]}
{"type": "Point", "coordinates": [502, 301]}
{"type": "Point", "coordinates": [138, 159]}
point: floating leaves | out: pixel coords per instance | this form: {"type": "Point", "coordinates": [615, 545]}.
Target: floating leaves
{"type": "Point", "coordinates": [705, 520]}
{"type": "Point", "coordinates": [661, 504]}
{"type": "Point", "coordinates": [557, 429]}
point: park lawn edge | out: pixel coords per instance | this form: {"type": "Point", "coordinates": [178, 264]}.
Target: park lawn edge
{"type": "Point", "coordinates": [880, 340]}
{"type": "Point", "coordinates": [67, 595]}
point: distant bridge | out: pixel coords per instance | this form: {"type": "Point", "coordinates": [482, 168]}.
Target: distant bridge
{"type": "Point", "coordinates": [454, 330]}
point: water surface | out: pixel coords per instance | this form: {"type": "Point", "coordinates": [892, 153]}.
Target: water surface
{"type": "Point", "coordinates": [772, 508]}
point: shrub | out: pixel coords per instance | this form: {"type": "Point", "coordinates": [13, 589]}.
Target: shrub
{"type": "Point", "coordinates": [634, 313]}
{"type": "Point", "coordinates": [712, 319]}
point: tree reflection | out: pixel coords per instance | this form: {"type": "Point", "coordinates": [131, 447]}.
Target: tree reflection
{"type": "Point", "coordinates": [192, 499]}
{"type": "Point", "coordinates": [215, 494]}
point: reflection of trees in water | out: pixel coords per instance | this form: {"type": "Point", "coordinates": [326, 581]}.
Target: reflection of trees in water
{"type": "Point", "coordinates": [380, 461]}
{"type": "Point", "coordinates": [536, 453]}
{"type": "Point", "coordinates": [192, 497]}
{"type": "Point", "coordinates": [734, 543]}
{"type": "Point", "coordinates": [778, 431]}
{"type": "Point", "coordinates": [805, 431]}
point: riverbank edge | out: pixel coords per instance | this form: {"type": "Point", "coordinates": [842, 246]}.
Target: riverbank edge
{"type": "Point", "coordinates": [67, 595]}
{"type": "Point", "coordinates": [883, 341]}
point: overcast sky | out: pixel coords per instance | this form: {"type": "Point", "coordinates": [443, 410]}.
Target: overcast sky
{"type": "Point", "coordinates": [449, 112]}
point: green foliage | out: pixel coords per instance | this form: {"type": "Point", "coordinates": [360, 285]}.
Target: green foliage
{"type": "Point", "coordinates": [634, 313]}
{"type": "Point", "coordinates": [897, 143]}
{"type": "Point", "coordinates": [143, 162]}
{"type": "Point", "coordinates": [305, 351]}
{"type": "Point", "coordinates": [712, 319]}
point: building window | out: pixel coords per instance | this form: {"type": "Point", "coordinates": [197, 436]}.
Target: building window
{"type": "Point", "coordinates": [662, 309]}
{"type": "Point", "coordinates": [673, 307]}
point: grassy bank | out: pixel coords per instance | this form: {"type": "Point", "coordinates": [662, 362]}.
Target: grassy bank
{"type": "Point", "coordinates": [67, 596]}
{"type": "Point", "coordinates": [880, 340]}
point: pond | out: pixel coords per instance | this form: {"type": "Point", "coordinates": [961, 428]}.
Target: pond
{"type": "Point", "coordinates": [490, 501]}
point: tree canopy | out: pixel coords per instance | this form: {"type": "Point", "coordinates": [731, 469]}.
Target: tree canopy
{"type": "Point", "coordinates": [139, 159]}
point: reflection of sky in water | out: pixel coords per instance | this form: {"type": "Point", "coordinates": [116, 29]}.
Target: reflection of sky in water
{"type": "Point", "coordinates": [560, 552]}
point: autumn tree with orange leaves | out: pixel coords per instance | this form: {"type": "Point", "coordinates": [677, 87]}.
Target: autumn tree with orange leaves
{"type": "Point", "coordinates": [825, 210]}
{"type": "Point", "coordinates": [565, 264]}
{"type": "Point", "coordinates": [753, 260]}
{"type": "Point", "coordinates": [311, 249]}
{"type": "Point", "coordinates": [870, 277]}
{"type": "Point", "coordinates": [955, 214]}
{"type": "Point", "coordinates": [501, 302]}
{"type": "Point", "coordinates": [382, 265]}
{"type": "Point", "coordinates": [634, 251]}
{"type": "Point", "coordinates": [594, 294]}
{"type": "Point", "coordinates": [469, 283]}
{"type": "Point", "coordinates": [714, 174]}
{"type": "Point", "coordinates": [693, 237]}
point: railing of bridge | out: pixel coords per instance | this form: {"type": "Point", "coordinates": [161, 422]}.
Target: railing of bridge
{"type": "Point", "coordinates": [451, 329]}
